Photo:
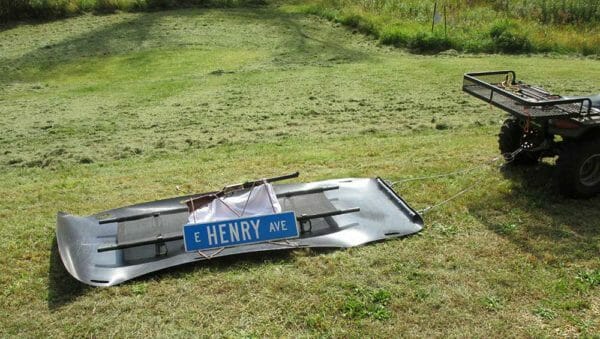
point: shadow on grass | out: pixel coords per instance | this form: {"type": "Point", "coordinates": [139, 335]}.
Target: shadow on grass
{"type": "Point", "coordinates": [232, 263]}
{"type": "Point", "coordinates": [305, 45]}
{"type": "Point", "coordinates": [123, 37]}
{"type": "Point", "coordinates": [62, 287]}
{"type": "Point", "coordinates": [114, 39]}
{"type": "Point", "coordinates": [539, 220]}
{"type": "Point", "coordinates": [51, 12]}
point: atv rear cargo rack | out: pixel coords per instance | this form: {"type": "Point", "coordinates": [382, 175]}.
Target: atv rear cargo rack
{"type": "Point", "coordinates": [501, 89]}
{"type": "Point", "coordinates": [543, 125]}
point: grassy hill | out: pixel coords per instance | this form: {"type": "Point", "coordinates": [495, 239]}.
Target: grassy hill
{"type": "Point", "coordinates": [488, 26]}
{"type": "Point", "coordinates": [101, 111]}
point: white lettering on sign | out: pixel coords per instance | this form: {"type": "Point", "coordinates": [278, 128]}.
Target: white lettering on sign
{"type": "Point", "coordinates": [222, 233]}
{"type": "Point", "coordinates": [245, 230]}
{"type": "Point", "coordinates": [255, 226]}
{"type": "Point", "coordinates": [239, 231]}
{"type": "Point", "coordinates": [278, 226]}
{"type": "Point", "coordinates": [234, 233]}
{"type": "Point", "coordinates": [212, 236]}
{"type": "Point", "coordinates": [225, 233]}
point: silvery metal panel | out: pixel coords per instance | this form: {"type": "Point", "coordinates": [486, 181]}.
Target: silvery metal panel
{"type": "Point", "coordinates": [383, 214]}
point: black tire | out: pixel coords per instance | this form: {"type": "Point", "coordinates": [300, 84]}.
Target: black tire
{"type": "Point", "coordinates": [578, 168]}
{"type": "Point", "coordinates": [509, 140]}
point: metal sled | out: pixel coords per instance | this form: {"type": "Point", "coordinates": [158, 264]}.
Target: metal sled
{"type": "Point", "coordinates": [120, 244]}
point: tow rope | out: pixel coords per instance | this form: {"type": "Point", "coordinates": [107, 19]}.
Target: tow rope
{"type": "Point", "coordinates": [508, 158]}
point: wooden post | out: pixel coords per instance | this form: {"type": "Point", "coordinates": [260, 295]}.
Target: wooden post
{"type": "Point", "coordinates": [433, 17]}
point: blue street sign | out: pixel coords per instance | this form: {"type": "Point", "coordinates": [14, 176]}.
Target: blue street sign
{"type": "Point", "coordinates": [235, 232]}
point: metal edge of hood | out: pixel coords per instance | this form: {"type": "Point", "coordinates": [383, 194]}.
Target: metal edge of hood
{"type": "Point", "coordinates": [384, 214]}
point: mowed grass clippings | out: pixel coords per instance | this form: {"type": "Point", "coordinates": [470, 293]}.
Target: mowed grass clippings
{"type": "Point", "coordinates": [100, 112]}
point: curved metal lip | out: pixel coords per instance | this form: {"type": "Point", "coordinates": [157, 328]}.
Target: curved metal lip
{"type": "Point", "coordinates": [383, 214]}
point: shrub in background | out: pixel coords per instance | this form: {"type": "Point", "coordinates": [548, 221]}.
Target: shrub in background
{"type": "Point", "coordinates": [106, 6]}
{"type": "Point", "coordinates": [429, 43]}
{"type": "Point", "coordinates": [13, 9]}
{"type": "Point", "coordinates": [394, 36]}
{"type": "Point", "coordinates": [50, 9]}
{"type": "Point", "coordinates": [361, 23]}
{"type": "Point", "coordinates": [160, 4]}
{"type": "Point", "coordinates": [508, 38]}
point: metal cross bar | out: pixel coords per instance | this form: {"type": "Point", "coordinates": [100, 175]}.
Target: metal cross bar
{"type": "Point", "coordinates": [307, 191]}
{"type": "Point", "coordinates": [306, 217]}
{"type": "Point", "coordinates": [185, 209]}
{"type": "Point", "coordinates": [143, 215]}
{"type": "Point", "coordinates": [198, 202]}
{"type": "Point", "coordinates": [250, 184]}
{"type": "Point", "coordinates": [142, 242]}
{"type": "Point", "coordinates": [162, 239]}
{"type": "Point", "coordinates": [206, 198]}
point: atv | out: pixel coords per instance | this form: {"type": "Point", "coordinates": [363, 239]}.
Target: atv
{"type": "Point", "coordinates": [545, 125]}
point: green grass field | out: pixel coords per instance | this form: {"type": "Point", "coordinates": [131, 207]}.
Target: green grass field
{"type": "Point", "coordinates": [101, 111]}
